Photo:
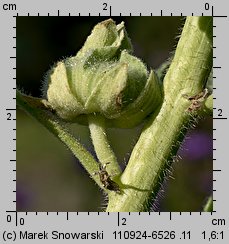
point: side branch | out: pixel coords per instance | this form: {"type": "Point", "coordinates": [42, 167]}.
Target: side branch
{"type": "Point", "coordinates": [38, 108]}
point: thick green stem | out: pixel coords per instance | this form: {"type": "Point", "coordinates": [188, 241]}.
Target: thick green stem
{"type": "Point", "coordinates": [38, 109]}
{"type": "Point", "coordinates": [158, 144]}
{"type": "Point", "coordinates": [101, 144]}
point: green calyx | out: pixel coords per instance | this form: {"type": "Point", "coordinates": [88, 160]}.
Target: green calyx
{"type": "Point", "coordinates": [104, 78]}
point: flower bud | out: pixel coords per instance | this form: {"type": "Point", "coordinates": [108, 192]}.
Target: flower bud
{"type": "Point", "coordinates": [104, 78]}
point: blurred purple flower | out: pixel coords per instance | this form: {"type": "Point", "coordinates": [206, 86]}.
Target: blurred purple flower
{"type": "Point", "coordinates": [196, 146]}
{"type": "Point", "coordinates": [23, 196]}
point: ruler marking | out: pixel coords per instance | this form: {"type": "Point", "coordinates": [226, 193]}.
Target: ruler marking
{"type": "Point", "coordinates": [220, 118]}
{"type": "Point", "coordinates": [118, 218]}
{"type": "Point", "coordinates": [110, 10]}
{"type": "Point", "coordinates": [220, 16]}
{"type": "Point", "coordinates": [16, 217]}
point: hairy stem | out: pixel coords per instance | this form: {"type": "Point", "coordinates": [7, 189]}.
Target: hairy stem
{"type": "Point", "coordinates": [38, 109]}
{"type": "Point", "coordinates": [160, 139]}
{"type": "Point", "coordinates": [101, 144]}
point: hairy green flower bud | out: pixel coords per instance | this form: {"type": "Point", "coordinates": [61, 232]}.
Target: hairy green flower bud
{"type": "Point", "coordinates": [104, 78]}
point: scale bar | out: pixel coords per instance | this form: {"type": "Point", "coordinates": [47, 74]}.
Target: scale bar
{"type": "Point", "coordinates": [220, 16]}
{"type": "Point", "coordinates": [219, 117]}
{"type": "Point", "coordinates": [10, 109]}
